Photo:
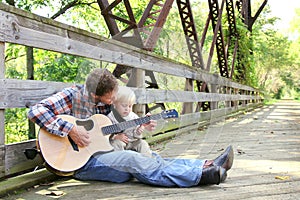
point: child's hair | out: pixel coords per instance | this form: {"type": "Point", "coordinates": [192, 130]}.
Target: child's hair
{"type": "Point", "coordinates": [125, 95]}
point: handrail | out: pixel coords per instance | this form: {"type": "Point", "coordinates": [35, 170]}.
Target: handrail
{"type": "Point", "coordinates": [24, 28]}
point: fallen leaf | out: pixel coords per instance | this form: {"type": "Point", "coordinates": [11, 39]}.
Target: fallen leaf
{"type": "Point", "coordinates": [47, 184]}
{"type": "Point", "coordinates": [55, 193]}
{"type": "Point", "coordinates": [240, 151]}
{"type": "Point", "coordinates": [282, 177]}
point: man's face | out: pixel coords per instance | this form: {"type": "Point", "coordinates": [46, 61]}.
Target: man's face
{"type": "Point", "coordinates": [107, 98]}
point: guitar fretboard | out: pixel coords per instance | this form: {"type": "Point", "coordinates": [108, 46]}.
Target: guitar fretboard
{"type": "Point", "coordinates": [117, 128]}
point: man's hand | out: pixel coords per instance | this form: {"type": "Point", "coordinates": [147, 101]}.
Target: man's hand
{"type": "Point", "coordinates": [80, 136]}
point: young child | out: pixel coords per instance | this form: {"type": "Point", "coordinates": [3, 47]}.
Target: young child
{"type": "Point", "coordinates": [130, 139]}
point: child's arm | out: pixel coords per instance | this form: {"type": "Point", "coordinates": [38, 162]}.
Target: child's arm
{"type": "Point", "coordinates": [120, 136]}
{"type": "Point", "coordinates": [140, 129]}
{"type": "Point", "coordinates": [150, 126]}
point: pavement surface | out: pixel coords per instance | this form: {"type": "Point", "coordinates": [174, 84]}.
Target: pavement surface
{"type": "Point", "coordinates": [266, 144]}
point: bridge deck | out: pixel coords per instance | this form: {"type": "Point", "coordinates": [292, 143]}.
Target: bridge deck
{"type": "Point", "coordinates": [266, 166]}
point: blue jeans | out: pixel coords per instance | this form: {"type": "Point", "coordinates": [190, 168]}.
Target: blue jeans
{"type": "Point", "coordinates": [121, 166]}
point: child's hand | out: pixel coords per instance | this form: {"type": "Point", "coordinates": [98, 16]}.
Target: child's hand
{"type": "Point", "coordinates": [122, 137]}
{"type": "Point", "coordinates": [140, 129]}
{"type": "Point", "coordinates": [151, 125]}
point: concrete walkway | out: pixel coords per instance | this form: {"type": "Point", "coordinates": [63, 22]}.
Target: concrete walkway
{"type": "Point", "coordinates": [266, 143]}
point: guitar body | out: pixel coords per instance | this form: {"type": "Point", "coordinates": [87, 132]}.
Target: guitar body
{"type": "Point", "coordinates": [63, 155]}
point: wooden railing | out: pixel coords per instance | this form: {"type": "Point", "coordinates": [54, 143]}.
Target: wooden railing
{"type": "Point", "coordinates": [24, 28]}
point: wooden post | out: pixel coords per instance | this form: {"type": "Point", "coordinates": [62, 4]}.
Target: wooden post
{"type": "Point", "coordinates": [213, 104]}
{"type": "Point", "coordinates": [2, 118]}
{"type": "Point", "coordinates": [243, 92]}
{"type": "Point", "coordinates": [228, 103]}
{"type": "Point", "coordinates": [249, 94]}
{"type": "Point", "coordinates": [257, 100]}
{"type": "Point", "coordinates": [137, 79]}
{"type": "Point", "coordinates": [236, 102]}
{"type": "Point", "coordinates": [188, 107]}
{"type": "Point", "coordinates": [30, 76]}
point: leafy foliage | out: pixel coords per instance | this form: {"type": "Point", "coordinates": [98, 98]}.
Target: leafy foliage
{"type": "Point", "coordinates": [272, 58]}
{"type": "Point", "coordinates": [62, 68]}
{"type": "Point", "coordinates": [16, 127]}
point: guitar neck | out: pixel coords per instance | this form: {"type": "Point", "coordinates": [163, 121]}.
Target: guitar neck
{"type": "Point", "coordinates": [117, 128]}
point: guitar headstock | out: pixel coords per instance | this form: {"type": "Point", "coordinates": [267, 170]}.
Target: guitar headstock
{"type": "Point", "coordinates": [169, 114]}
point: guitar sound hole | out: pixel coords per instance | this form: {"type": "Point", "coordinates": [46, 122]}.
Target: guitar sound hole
{"type": "Point", "coordinates": [87, 124]}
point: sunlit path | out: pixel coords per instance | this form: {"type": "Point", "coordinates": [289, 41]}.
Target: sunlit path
{"type": "Point", "coordinates": [267, 161]}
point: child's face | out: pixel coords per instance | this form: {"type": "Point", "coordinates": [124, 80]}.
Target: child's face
{"type": "Point", "coordinates": [123, 108]}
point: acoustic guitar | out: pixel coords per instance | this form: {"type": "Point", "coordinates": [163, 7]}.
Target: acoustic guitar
{"type": "Point", "coordinates": [64, 156]}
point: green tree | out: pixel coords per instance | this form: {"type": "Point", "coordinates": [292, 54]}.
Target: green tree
{"type": "Point", "coordinates": [48, 65]}
{"type": "Point", "coordinates": [294, 68]}
{"type": "Point", "coordinates": [271, 55]}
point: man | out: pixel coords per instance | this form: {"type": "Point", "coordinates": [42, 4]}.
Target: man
{"type": "Point", "coordinates": [96, 97]}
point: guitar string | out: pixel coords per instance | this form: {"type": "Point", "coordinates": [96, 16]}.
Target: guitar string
{"type": "Point", "coordinates": [115, 128]}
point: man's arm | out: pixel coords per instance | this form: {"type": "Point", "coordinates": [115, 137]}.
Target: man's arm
{"type": "Point", "coordinates": [45, 112]}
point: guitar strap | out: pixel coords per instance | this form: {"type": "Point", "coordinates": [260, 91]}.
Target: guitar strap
{"type": "Point", "coordinates": [117, 115]}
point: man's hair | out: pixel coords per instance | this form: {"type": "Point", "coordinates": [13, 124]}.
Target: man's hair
{"type": "Point", "coordinates": [100, 82]}
{"type": "Point", "coordinates": [125, 95]}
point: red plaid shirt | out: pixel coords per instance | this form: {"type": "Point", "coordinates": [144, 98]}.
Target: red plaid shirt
{"type": "Point", "coordinates": [73, 101]}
